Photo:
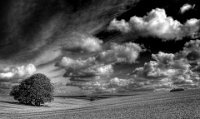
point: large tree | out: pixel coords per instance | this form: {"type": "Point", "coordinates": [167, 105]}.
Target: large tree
{"type": "Point", "coordinates": [34, 90]}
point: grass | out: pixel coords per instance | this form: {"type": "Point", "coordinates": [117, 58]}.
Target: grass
{"type": "Point", "coordinates": [174, 105]}
{"type": "Point", "coordinates": [9, 105]}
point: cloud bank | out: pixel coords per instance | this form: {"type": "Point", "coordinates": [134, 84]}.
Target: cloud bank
{"type": "Point", "coordinates": [19, 29]}
{"type": "Point", "coordinates": [96, 72]}
{"type": "Point", "coordinates": [157, 24]}
{"type": "Point", "coordinates": [166, 71]}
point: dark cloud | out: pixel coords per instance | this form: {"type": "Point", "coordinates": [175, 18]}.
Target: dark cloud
{"type": "Point", "coordinates": [32, 27]}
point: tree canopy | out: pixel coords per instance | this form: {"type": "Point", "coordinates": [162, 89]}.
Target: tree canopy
{"type": "Point", "coordinates": [35, 90]}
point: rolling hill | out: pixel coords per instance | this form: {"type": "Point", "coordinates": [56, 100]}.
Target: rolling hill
{"type": "Point", "coordinates": [157, 105]}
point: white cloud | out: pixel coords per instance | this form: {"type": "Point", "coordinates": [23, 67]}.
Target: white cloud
{"type": "Point", "coordinates": [67, 62]}
{"type": "Point", "coordinates": [101, 69]}
{"type": "Point", "coordinates": [167, 72]}
{"type": "Point", "coordinates": [96, 72]}
{"type": "Point", "coordinates": [121, 25]}
{"type": "Point", "coordinates": [83, 42]}
{"type": "Point", "coordinates": [191, 51]}
{"type": "Point", "coordinates": [117, 82]}
{"type": "Point", "coordinates": [186, 7]}
{"type": "Point", "coordinates": [191, 28]}
{"type": "Point", "coordinates": [84, 70]}
{"type": "Point", "coordinates": [127, 52]}
{"type": "Point", "coordinates": [17, 72]}
{"type": "Point", "coordinates": [164, 73]}
{"type": "Point", "coordinates": [158, 24]}
{"type": "Point", "coordinates": [107, 85]}
{"type": "Point", "coordinates": [164, 58]}
{"type": "Point", "coordinates": [77, 67]}
{"type": "Point", "coordinates": [154, 69]}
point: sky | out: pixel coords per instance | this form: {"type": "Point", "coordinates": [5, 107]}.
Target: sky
{"type": "Point", "coordinates": [92, 46]}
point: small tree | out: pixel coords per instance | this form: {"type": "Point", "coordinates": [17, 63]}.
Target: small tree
{"type": "Point", "coordinates": [34, 90]}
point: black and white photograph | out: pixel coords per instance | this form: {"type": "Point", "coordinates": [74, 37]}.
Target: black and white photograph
{"type": "Point", "coordinates": [100, 59]}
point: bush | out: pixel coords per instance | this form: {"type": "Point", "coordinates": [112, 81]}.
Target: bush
{"type": "Point", "coordinates": [34, 90]}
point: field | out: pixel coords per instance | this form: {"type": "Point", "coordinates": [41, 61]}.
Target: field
{"type": "Point", "coordinates": [165, 105]}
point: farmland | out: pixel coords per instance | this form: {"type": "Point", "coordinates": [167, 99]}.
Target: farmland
{"type": "Point", "coordinates": [165, 105]}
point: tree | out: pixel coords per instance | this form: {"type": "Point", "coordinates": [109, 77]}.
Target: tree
{"type": "Point", "coordinates": [34, 90]}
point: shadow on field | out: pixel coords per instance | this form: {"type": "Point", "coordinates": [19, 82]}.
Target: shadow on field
{"type": "Point", "coordinates": [11, 102]}
{"type": "Point", "coordinates": [17, 103]}
{"type": "Point", "coordinates": [97, 97]}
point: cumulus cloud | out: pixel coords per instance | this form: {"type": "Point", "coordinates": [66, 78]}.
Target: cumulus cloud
{"type": "Point", "coordinates": [76, 67]}
{"type": "Point", "coordinates": [158, 24]}
{"type": "Point", "coordinates": [94, 78]}
{"type": "Point", "coordinates": [83, 42]}
{"type": "Point", "coordinates": [116, 85]}
{"type": "Point", "coordinates": [186, 7]}
{"type": "Point", "coordinates": [84, 68]}
{"type": "Point", "coordinates": [164, 58]}
{"type": "Point", "coordinates": [17, 72]}
{"type": "Point", "coordinates": [127, 52]}
{"type": "Point", "coordinates": [101, 69]}
{"type": "Point", "coordinates": [167, 71]}
{"type": "Point", "coordinates": [10, 76]}
{"type": "Point", "coordinates": [121, 25]}
{"type": "Point", "coordinates": [96, 72]}
{"type": "Point", "coordinates": [191, 28]}
{"type": "Point", "coordinates": [119, 82]}
{"type": "Point", "coordinates": [67, 62]}
{"type": "Point", "coordinates": [191, 51]}
{"type": "Point", "coordinates": [164, 72]}
{"type": "Point", "coordinates": [111, 85]}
